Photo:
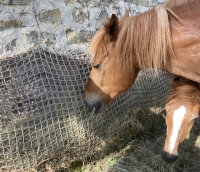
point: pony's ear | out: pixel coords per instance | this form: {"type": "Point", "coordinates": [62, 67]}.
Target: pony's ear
{"type": "Point", "coordinates": [126, 15]}
{"type": "Point", "coordinates": [112, 27]}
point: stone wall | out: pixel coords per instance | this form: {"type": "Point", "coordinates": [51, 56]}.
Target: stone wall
{"type": "Point", "coordinates": [62, 25]}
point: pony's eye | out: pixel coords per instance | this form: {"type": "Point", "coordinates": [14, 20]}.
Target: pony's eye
{"type": "Point", "coordinates": [97, 66]}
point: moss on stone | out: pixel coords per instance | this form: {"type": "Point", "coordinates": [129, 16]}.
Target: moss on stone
{"type": "Point", "coordinates": [50, 16]}
{"type": "Point", "coordinates": [9, 24]}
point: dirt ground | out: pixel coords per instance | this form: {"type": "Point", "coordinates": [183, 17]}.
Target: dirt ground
{"type": "Point", "coordinates": [142, 153]}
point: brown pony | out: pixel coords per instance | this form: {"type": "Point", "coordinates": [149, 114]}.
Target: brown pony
{"type": "Point", "coordinates": [182, 108]}
{"type": "Point", "coordinates": [166, 37]}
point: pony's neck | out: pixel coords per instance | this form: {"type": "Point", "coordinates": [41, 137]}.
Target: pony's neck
{"type": "Point", "coordinates": [185, 35]}
{"type": "Point", "coordinates": [177, 3]}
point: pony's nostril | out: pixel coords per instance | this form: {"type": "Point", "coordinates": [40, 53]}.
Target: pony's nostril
{"type": "Point", "coordinates": [96, 105]}
{"type": "Point", "coordinates": [87, 104]}
{"type": "Point", "coordinates": [170, 158]}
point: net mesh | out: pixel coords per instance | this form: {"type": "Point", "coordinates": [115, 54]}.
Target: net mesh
{"type": "Point", "coordinates": [43, 116]}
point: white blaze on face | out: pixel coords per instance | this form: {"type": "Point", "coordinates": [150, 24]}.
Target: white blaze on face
{"type": "Point", "coordinates": [178, 117]}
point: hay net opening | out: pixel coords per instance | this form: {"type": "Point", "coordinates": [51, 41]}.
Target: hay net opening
{"type": "Point", "coordinates": [43, 116]}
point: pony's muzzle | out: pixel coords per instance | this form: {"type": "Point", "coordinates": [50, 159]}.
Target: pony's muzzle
{"type": "Point", "coordinates": [93, 103]}
{"type": "Point", "coordinates": [92, 106]}
{"type": "Point", "coordinates": [170, 158]}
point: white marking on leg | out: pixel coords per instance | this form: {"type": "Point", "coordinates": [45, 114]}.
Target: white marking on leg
{"type": "Point", "coordinates": [178, 117]}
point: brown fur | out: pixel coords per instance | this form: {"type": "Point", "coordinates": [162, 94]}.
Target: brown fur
{"type": "Point", "coordinates": [178, 3]}
{"type": "Point", "coordinates": [98, 45]}
{"type": "Point", "coordinates": [185, 91]}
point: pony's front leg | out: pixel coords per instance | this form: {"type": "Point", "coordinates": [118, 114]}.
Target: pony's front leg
{"type": "Point", "coordinates": [182, 108]}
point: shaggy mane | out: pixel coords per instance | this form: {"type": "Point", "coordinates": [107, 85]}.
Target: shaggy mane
{"type": "Point", "coordinates": [144, 39]}
{"type": "Point", "coordinates": [98, 47]}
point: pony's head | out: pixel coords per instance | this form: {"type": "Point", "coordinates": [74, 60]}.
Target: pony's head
{"type": "Point", "coordinates": [121, 48]}
{"type": "Point", "coordinates": [182, 108]}
{"type": "Point", "coordinates": [108, 78]}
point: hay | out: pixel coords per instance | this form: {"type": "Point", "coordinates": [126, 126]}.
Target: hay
{"type": "Point", "coordinates": [142, 154]}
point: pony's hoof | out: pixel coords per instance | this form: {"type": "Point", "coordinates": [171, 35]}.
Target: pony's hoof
{"type": "Point", "coordinates": [170, 158]}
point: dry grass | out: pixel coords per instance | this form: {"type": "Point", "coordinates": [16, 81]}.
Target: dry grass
{"type": "Point", "coordinates": [142, 154]}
